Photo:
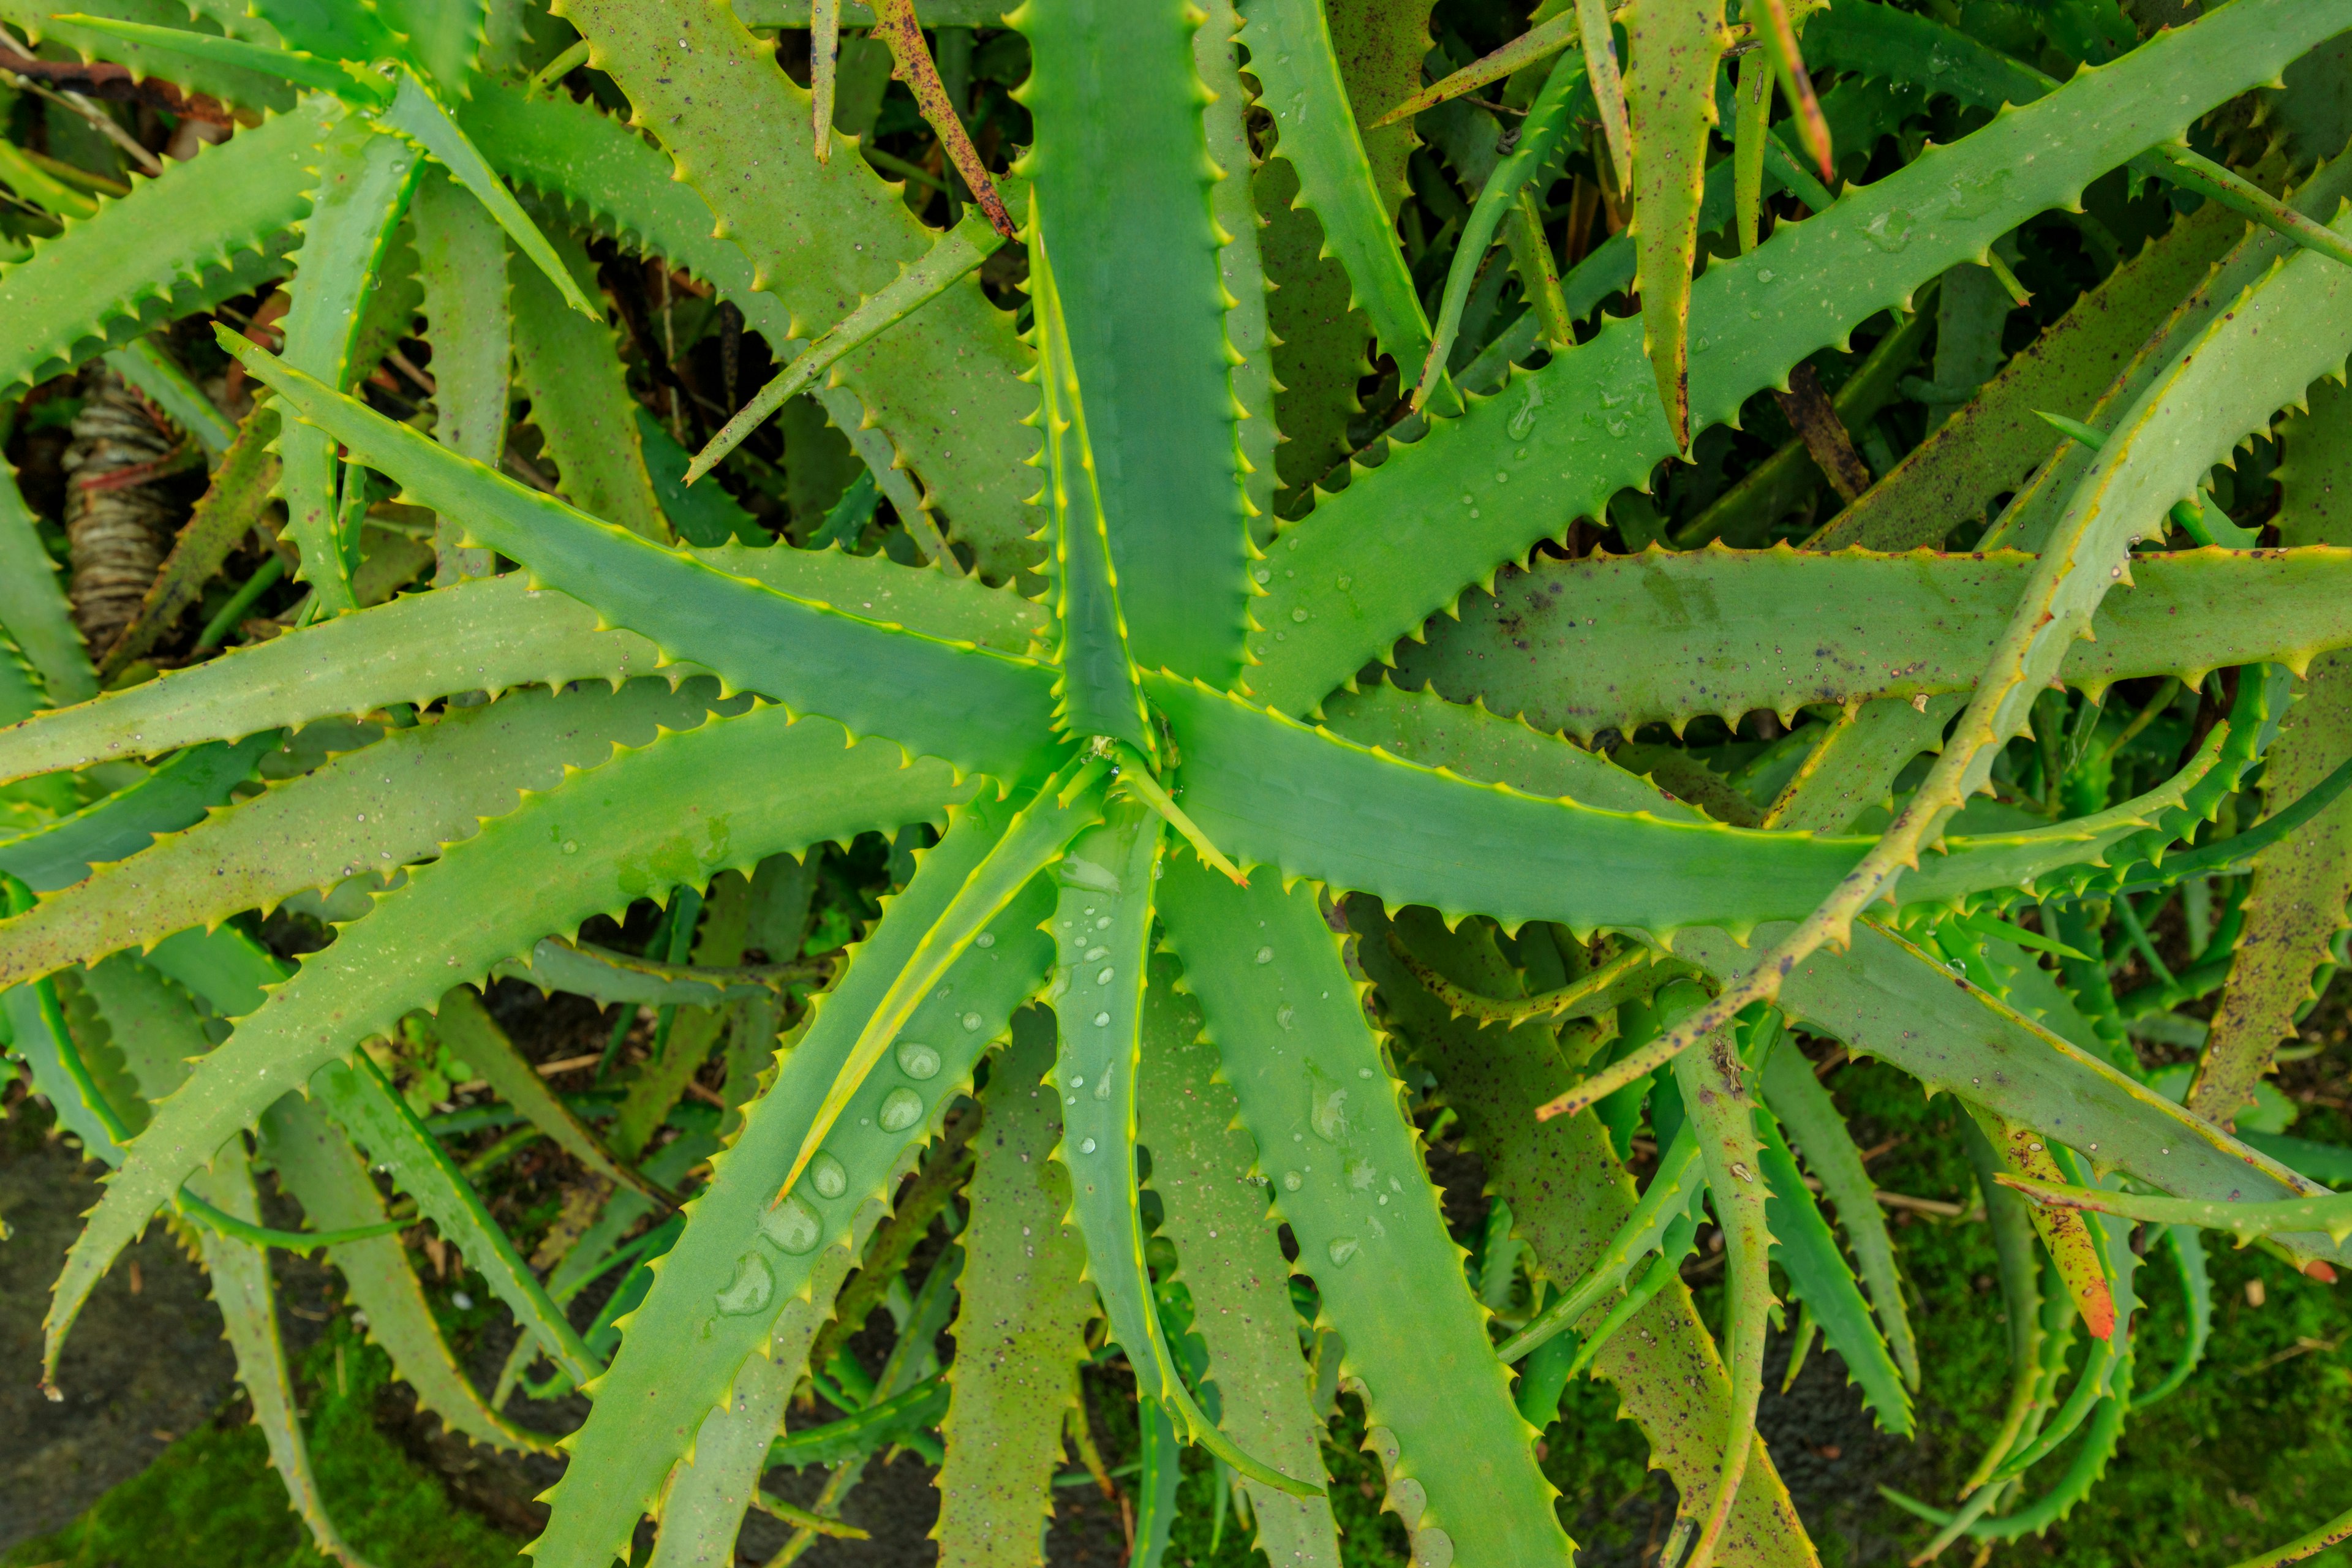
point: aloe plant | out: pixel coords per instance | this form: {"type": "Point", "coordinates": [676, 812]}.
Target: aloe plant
{"type": "Point", "coordinates": [1257, 822]}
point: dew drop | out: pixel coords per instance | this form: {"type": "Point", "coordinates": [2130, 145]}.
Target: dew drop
{"type": "Point", "coordinates": [1363, 1073]}
{"type": "Point", "coordinates": [984, 940]}
{"type": "Point", "coordinates": [1102, 1020]}
{"type": "Point", "coordinates": [1764, 275]}
{"type": "Point", "coordinates": [1501, 477]}
{"type": "Point", "coordinates": [1284, 1014]}
{"type": "Point", "coordinates": [1292, 1180]}
{"type": "Point", "coordinates": [1890, 230]}
{"type": "Point", "coordinates": [793, 1226]}
{"type": "Point", "coordinates": [750, 1292]}
{"type": "Point", "coordinates": [901, 1109]}
{"type": "Point", "coordinates": [572, 847]}
{"type": "Point", "coordinates": [1104, 976]}
{"type": "Point", "coordinates": [1103, 924]}
{"type": "Point", "coordinates": [1342, 1249]}
{"type": "Point", "coordinates": [828, 1176]}
{"type": "Point", "coordinates": [918, 1060]}
{"type": "Point", "coordinates": [1344, 582]}
{"type": "Point", "coordinates": [1265, 955]}
{"type": "Point", "coordinates": [1086, 1147]}
{"type": "Point", "coordinates": [972, 1022]}
{"type": "Point", "coordinates": [1299, 614]}
{"type": "Point", "coordinates": [1095, 952]}
{"type": "Point", "coordinates": [1263, 573]}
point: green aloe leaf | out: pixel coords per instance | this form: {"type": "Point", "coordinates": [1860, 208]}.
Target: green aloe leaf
{"type": "Point", "coordinates": [174, 796]}
{"type": "Point", "coordinates": [1121, 175]}
{"type": "Point", "coordinates": [1574, 1204]}
{"type": "Point", "coordinates": [1618, 641]}
{"type": "Point", "coordinates": [1585, 422]}
{"type": "Point", "coordinates": [318, 1165]}
{"type": "Point", "coordinates": [1804, 1109]}
{"type": "Point", "coordinates": [1670, 89]}
{"type": "Point", "coordinates": [364, 180]}
{"type": "Point", "coordinates": [1025, 1311]}
{"type": "Point", "coordinates": [1230, 1261]}
{"type": "Point", "coordinates": [985, 710]}
{"type": "Point", "coordinates": [1096, 692]}
{"type": "Point", "coordinates": [820, 237]}
{"type": "Point", "coordinates": [417, 944]}
{"type": "Point", "coordinates": [1318, 1099]}
{"type": "Point", "coordinates": [403, 799]}
{"type": "Point", "coordinates": [213, 229]}
{"type": "Point", "coordinates": [744, 1258]}
{"type": "Point", "coordinates": [491, 635]}
{"type": "Point", "coordinates": [570, 367]}
{"type": "Point", "coordinates": [1291, 54]}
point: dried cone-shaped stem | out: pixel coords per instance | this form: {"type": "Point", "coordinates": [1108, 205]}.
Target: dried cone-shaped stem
{"type": "Point", "coordinates": [118, 532]}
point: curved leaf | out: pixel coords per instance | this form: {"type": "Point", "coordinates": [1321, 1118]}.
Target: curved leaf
{"type": "Point", "coordinates": [493, 895]}
{"type": "Point", "coordinates": [1435, 518]}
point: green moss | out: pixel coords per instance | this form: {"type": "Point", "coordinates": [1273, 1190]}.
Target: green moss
{"type": "Point", "coordinates": [212, 1498]}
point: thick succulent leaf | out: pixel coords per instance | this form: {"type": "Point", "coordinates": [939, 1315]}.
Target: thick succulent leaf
{"type": "Point", "coordinates": [605, 976]}
{"type": "Point", "coordinates": [205, 231]}
{"type": "Point", "coordinates": [466, 1027]}
{"type": "Point", "coordinates": [744, 1258]}
{"type": "Point", "coordinates": [1571, 1201]}
{"type": "Point", "coordinates": [820, 237]}
{"type": "Point", "coordinates": [982, 710]}
{"type": "Point", "coordinates": [570, 368]}
{"type": "Point", "coordinates": [1819, 1277]}
{"type": "Point", "coordinates": [1804, 1109]}
{"type": "Point", "coordinates": [1241, 264]}
{"type": "Point", "coordinates": [1291, 55]}
{"type": "Point", "coordinates": [1269, 790]}
{"type": "Point", "coordinates": [382, 1123]}
{"type": "Point", "coordinates": [363, 179]}
{"type": "Point", "coordinates": [1095, 692]}
{"type": "Point", "coordinates": [33, 610]}
{"type": "Point", "coordinates": [118, 827]}
{"type": "Point", "coordinates": [2026, 522]}
{"type": "Point", "coordinates": [1317, 1096]}
{"type": "Point", "coordinates": [35, 19]}
{"type": "Point", "coordinates": [372, 810]}
{"type": "Point", "coordinates": [1231, 1261]}
{"type": "Point", "coordinates": [958, 254]}
{"type": "Point", "coordinates": [1030, 839]}
{"type": "Point", "coordinates": [1121, 175]}
{"type": "Point", "coordinates": [1019, 1331]}
{"type": "Point", "coordinates": [1997, 435]}
{"type": "Point", "coordinates": [319, 1167]}
{"type": "Point", "coordinates": [2296, 903]}
{"type": "Point", "coordinates": [1102, 934]}
{"type": "Point", "coordinates": [701, 1506]}
{"type": "Point", "coordinates": [1674, 46]}
{"type": "Point", "coordinates": [2197, 1310]}
{"type": "Point", "coordinates": [610, 179]}
{"type": "Point", "coordinates": [1722, 1108]}
{"type": "Point", "coordinates": [2229, 382]}
{"type": "Point", "coordinates": [462, 263]}
{"type": "Point", "coordinates": [2223, 385]}
{"type": "Point", "coordinates": [1565, 89]}
{"type": "Point", "coordinates": [1618, 641]}
{"type": "Point", "coordinates": [1887, 999]}
{"type": "Point", "coordinates": [1585, 422]}
{"type": "Point", "coordinates": [595, 841]}
{"type": "Point", "coordinates": [242, 1290]}
{"type": "Point", "coordinates": [489, 636]}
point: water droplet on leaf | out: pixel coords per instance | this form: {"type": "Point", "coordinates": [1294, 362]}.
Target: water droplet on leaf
{"type": "Point", "coordinates": [901, 1109]}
